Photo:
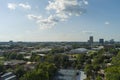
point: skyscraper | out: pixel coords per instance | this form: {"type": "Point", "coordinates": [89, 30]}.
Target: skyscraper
{"type": "Point", "coordinates": [101, 41]}
{"type": "Point", "coordinates": [91, 39]}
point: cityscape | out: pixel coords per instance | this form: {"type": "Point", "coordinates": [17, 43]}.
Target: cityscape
{"type": "Point", "coordinates": [59, 40]}
{"type": "Point", "coordinates": [66, 60]}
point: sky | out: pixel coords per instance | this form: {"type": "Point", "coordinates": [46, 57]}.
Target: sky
{"type": "Point", "coordinates": [59, 20]}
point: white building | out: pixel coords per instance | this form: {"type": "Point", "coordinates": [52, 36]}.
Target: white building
{"type": "Point", "coordinates": [79, 50]}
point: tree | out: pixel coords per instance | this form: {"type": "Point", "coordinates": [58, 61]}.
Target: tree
{"type": "Point", "coordinates": [96, 67]}
{"type": "Point", "coordinates": [19, 71]}
{"type": "Point", "coordinates": [12, 56]}
{"type": "Point", "coordinates": [116, 59]}
{"type": "Point", "coordinates": [98, 78]}
{"type": "Point", "coordinates": [49, 58]}
{"type": "Point", "coordinates": [61, 61]}
{"type": "Point", "coordinates": [88, 69]}
{"type": "Point", "coordinates": [99, 59]}
{"type": "Point", "coordinates": [43, 71]}
{"type": "Point", "coordinates": [113, 73]}
{"type": "Point", "coordinates": [38, 74]}
{"type": "Point", "coordinates": [51, 69]}
{"type": "Point", "coordinates": [35, 58]}
{"type": "Point", "coordinates": [78, 66]}
{"type": "Point", "coordinates": [81, 58]}
{"type": "Point", "coordinates": [1, 68]}
{"type": "Point", "coordinates": [20, 56]}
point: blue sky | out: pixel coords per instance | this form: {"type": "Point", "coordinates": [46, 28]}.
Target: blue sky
{"type": "Point", "coordinates": [59, 20]}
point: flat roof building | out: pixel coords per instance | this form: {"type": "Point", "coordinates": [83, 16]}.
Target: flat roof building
{"type": "Point", "coordinates": [69, 74]}
{"type": "Point", "coordinates": [101, 41]}
{"type": "Point", "coordinates": [90, 41]}
{"type": "Point", "coordinates": [8, 76]}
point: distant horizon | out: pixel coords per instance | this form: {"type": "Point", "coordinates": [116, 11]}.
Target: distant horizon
{"type": "Point", "coordinates": [56, 41]}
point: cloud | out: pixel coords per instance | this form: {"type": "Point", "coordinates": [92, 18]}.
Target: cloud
{"type": "Point", "coordinates": [25, 6]}
{"type": "Point", "coordinates": [12, 6]}
{"type": "Point", "coordinates": [44, 23]}
{"type": "Point", "coordinates": [85, 2]}
{"type": "Point", "coordinates": [48, 22]}
{"type": "Point", "coordinates": [107, 23]}
{"type": "Point", "coordinates": [31, 16]}
{"type": "Point", "coordinates": [88, 32]}
{"type": "Point", "coordinates": [68, 7]}
{"type": "Point", "coordinates": [60, 10]}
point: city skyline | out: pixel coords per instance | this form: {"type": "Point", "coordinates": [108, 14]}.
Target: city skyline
{"type": "Point", "coordinates": [59, 20]}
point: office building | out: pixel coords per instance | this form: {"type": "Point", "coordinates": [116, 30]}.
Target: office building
{"type": "Point", "coordinates": [101, 41]}
{"type": "Point", "coordinates": [91, 40]}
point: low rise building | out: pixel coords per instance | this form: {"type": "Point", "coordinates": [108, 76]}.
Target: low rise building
{"type": "Point", "coordinates": [79, 50]}
{"type": "Point", "coordinates": [13, 63]}
{"type": "Point", "coordinates": [69, 74]}
{"type": "Point", "coordinates": [8, 76]}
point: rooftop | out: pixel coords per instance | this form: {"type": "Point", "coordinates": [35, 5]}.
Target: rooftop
{"type": "Point", "coordinates": [69, 74]}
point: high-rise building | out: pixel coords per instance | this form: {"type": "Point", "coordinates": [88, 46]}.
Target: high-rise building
{"type": "Point", "coordinates": [101, 41]}
{"type": "Point", "coordinates": [91, 39]}
{"type": "Point", "coordinates": [112, 41]}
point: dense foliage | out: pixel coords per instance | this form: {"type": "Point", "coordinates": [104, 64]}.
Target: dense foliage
{"type": "Point", "coordinates": [43, 71]}
{"type": "Point", "coordinates": [113, 72]}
